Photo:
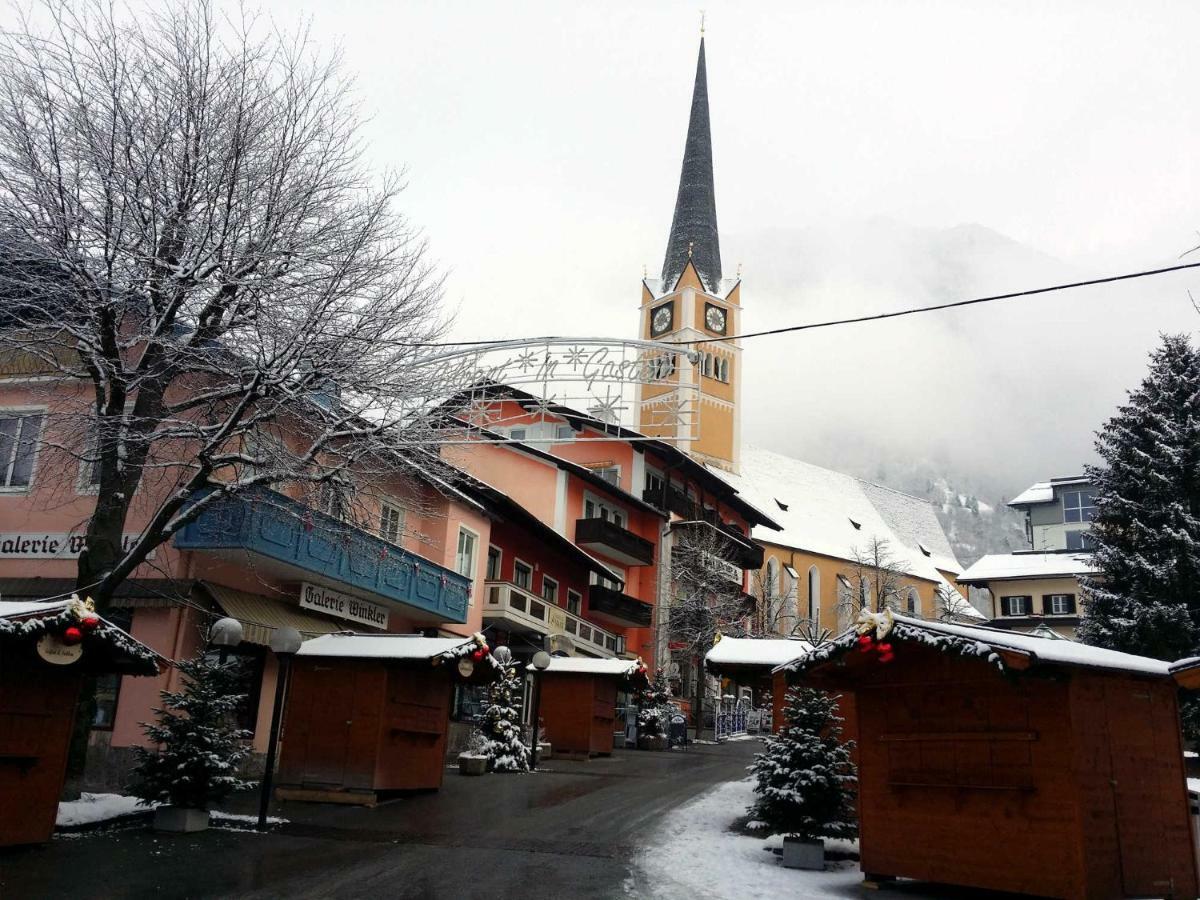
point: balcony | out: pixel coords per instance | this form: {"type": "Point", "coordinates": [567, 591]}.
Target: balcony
{"type": "Point", "coordinates": [303, 543]}
{"type": "Point", "coordinates": [611, 605]}
{"type": "Point", "coordinates": [670, 499]}
{"type": "Point", "coordinates": [735, 548]}
{"type": "Point", "coordinates": [515, 609]}
{"type": "Point", "coordinates": [613, 541]}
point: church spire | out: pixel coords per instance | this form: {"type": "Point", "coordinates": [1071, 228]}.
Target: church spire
{"type": "Point", "coordinates": [694, 227]}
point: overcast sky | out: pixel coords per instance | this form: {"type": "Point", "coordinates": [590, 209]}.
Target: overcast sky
{"type": "Point", "coordinates": [851, 140]}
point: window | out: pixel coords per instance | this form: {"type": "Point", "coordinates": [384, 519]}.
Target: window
{"type": "Point", "coordinates": [655, 482]}
{"type": "Point", "coordinates": [864, 593]}
{"type": "Point", "coordinates": [912, 602]}
{"type": "Point", "coordinates": [464, 560]}
{"type": "Point", "coordinates": [1016, 606]}
{"type": "Point", "coordinates": [19, 433]}
{"type": "Point", "coordinates": [593, 578]}
{"type": "Point", "coordinates": [564, 433]}
{"type": "Point", "coordinates": [611, 474]}
{"type": "Point", "coordinates": [522, 575]}
{"type": "Point", "coordinates": [1078, 506]}
{"type": "Point", "coordinates": [335, 498]}
{"type": "Point", "coordinates": [516, 434]}
{"type": "Point", "coordinates": [574, 602]}
{"type": "Point", "coordinates": [549, 590]}
{"type": "Point", "coordinates": [771, 583]}
{"type": "Point", "coordinates": [725, 370]}
{"type": "Point", "coordinates": [391, 523]}
{"type": "Point", "coordinates": [493, 563]}
{"type": "Point", "coordinates": [594, 508]}
{"type": "Point", "coordinates": [1080, 540]}
{"type": "Point", "coordinates": [814, 595]}
{"type": "Point", "coordinates": [1059, 604]}
{"type": "Point", "coordinates": [248, 661]}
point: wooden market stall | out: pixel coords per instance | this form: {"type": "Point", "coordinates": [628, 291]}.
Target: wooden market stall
{"type": "Point", "coordinates": [46, 650]}
{"type": "Point", "coordinates": [367, 713]}
{"type": "Point", "coordinates": [1003, 761]}
{"type": "Point", "coordinates": [751, 662]}
{"type": "Point", "coordinates": [578, 701]}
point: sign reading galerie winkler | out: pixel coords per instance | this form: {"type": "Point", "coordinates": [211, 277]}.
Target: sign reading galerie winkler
{"type": "Point", "coordinates": [344, 606]}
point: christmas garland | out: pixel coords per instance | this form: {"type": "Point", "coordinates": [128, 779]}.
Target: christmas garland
{"type": "Point", "coordinates": [78, 623]}
{"type": "Point", "coordinates": [476, 649]}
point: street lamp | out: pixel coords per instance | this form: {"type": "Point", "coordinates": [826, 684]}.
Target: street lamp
{"type": "Point", "coordinates": [225, 633]}
{"type": "Point", "coordinates": [540, 661]}
{"type": "Point", "coordinates": [284, 642]}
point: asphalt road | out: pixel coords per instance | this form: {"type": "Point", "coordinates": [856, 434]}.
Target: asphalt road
{"type": "Point", "coordinates": [570, 830]}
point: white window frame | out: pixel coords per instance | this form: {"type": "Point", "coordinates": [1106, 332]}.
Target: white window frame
{"type": "Point", "coordinates": [546, 579]}
{"type": "Point", "coordinates": [612, 508]}
{"type": "Point", "coordinates": [1066, 602]}
{"type": "Point", "coordinates": [814, 595]}
{"type": "Point", "coordinates": [1078, 509]}
{"type": "Point", "coordinates": [614, 468]}
{"type": "Point", "coordinates": [559, 434]}
{"type": "Point", "coordinates": [22, 412]}
{"type": "Point", "coordinates": [499, 562]}
{"type": "Point", "coordinates": [517, 561]}
{"type": "Point", "coordinates": [463, 529]}
{"type": "Point", "coordinates": [514, 436]}
{"type": "Point", "coordinates": [1028, 604]}
{"type": "Point", "coordinates": [401, 516]}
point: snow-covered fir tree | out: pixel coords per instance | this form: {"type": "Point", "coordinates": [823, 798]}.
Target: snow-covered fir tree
{"type": "Point", "coordinates": [501, 725]}
{"type": "Point", "coordinates": [1147, 524]}
{"type": "Point", "coordinates": [654, 702]}
{"type": "Point", "coordinates": [805, 780]}
{"type": "Point", "coordinates": [197, 747]}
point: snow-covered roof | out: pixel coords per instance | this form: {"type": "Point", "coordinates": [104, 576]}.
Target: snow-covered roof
{"type": "Point", "coordinates": [999, 566]}
{"type": "Point", "coordinates": [1043, 491]}
{"type": "Point", "coordinates": [830, 513]}
{"type": "Point", "coordinates": [584, 665]}
{"type": "Point", "coordinates": [108, 648]}
{"type": "Point", "coordinates": [11, 609]}
{"type": "Point", "coordinates": [957, 604]}
{"type": "Point", "coordinates": [766, 652]}
{"type": "Point", "coordinates": [381, 646]}
{"type": "Point", "coordinates": [985, 643]}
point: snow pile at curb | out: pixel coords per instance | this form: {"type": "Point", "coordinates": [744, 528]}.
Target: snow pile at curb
{"type": "Point", "coordinates": [696, 856]}
{"type": "Point", "coordinates": [91, 809]}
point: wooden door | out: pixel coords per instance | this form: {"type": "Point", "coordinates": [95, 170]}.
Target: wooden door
{"type": "Point", "coordinates": [604, 714]}
{"type": "Point", "coordinates": [413, 738]}
{"type": "Point", "coordinates": [1147, 790]}
{"type": "Point", "coordinates": [320, 713]}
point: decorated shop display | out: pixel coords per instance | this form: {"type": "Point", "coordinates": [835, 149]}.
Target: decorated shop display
{"type": "Point", "coordinates": [46, 649]}
{"type": "Point", "coordinates": [368, 713]}
{"type": "Point", "coordinates": [1067, 757]}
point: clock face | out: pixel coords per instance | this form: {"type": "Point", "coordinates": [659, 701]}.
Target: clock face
{"type": "Point", "coordinates": [661, 320]}
{"type": "Point", "coordinates": [714, 318]}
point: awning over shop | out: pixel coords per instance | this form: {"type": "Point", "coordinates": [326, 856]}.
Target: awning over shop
{"type": "Point", "coordinates": [260, 615]}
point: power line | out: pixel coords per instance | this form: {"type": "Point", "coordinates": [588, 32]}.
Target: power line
{"type": "Point", "coordinates": [1128, 276]}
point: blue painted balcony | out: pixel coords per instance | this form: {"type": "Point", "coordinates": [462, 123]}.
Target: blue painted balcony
{"type": "Point", "coordinates": [305, 543]}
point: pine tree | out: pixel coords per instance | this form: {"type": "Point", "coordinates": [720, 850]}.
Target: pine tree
{"type": "Point", "coordinates": [805, 778]}
{"type": "Point", "coordinates": [654, 702]}
{"type": "Point", "coordinates": [501, 725]}
{"type": "Point", "coordinates": [197, 747]}
{"type": "Point", "coordinates": [1147, 523]}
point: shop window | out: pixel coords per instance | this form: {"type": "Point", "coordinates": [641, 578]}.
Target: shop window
{"type": "Point", "coordinates": [248, 661]}
{"type": "Point", "coordinates": [19, 435]}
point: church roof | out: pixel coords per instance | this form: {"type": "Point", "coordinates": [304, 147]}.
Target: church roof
{"type": "Point", "coordinates": [694, 225]}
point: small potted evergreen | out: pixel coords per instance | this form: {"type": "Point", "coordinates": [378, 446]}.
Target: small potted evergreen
{"type": "Point", "coordinates": [197, 747]}
{"type": "Point", "coordinates": [654, 705]}
{"type": "Point", "coordinates": [805, 780]}
{"type": "Point", "coordinates": [474, 759]}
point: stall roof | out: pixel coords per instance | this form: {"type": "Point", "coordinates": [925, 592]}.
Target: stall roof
{"type": "Point", "coordinates": [106, 648]}
{"type": "Point", "coordinates": [767, 653]}
{"type": "Point", "coordinates": [1002, 648]}
{"type": "Point", "coordinates": [583, 665]}
{"type": "Point", "coordinates": [381, 646]}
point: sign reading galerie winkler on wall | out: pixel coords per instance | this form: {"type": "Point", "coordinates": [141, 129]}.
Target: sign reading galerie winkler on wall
{"type": "Point", "coordinates": [40, 545]}
{"type": "Point", "coordinates": [344, 606]}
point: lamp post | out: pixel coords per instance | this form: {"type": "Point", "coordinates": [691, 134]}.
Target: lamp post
{"type": "Point", "coordinates": [284, 642]}
{"type": "Point", "coordinates": [225, 633]}
{"type": "Point", "coordinates": [540, 661]}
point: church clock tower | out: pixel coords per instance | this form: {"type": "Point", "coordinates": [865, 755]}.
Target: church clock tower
{"type": "Point", "coordinates": [695, 405]}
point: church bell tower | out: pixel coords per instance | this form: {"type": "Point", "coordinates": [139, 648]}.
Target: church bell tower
{"type": "Point", "coordinates": [695, 404]}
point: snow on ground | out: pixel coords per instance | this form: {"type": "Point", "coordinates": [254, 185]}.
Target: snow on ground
{"type": "Point", "coordinates": [696, 857]}
{"type": "Point", "coordinates": [92, 808]}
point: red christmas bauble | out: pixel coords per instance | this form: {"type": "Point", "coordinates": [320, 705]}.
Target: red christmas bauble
{"type": "Point", "coordinates": [887, 657]}
{"type": "Point", "coordinates": [477, 656]}
{"type": "Point", "coordinates": [72, 635]}
{"type": "Point", "coordinates": [884, 648]}
{"type": "Point", "coordinates": [89, 623]}
{"type": "Point", "coordinates": [864, 641]}
{"type": "Point", "coordinates": [484, 649]}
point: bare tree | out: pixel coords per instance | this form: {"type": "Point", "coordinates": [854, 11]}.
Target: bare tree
{"type": "Point", "coordinates": [876, 581]}
{"type": "Point", "coordinates": [706, 598]}
{"type": "Point", "coordinates": [206, 279]}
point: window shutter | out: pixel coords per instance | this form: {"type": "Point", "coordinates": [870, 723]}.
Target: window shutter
{"type": "Point", "coordinates": [1071, 604]}
{"type": "Point", "coordinates": [1047, 604]}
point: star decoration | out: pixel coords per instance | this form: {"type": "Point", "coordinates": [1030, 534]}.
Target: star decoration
{"type": "Point", "coordinates": [609, 408]}
{"type": "Point", "coordinates": [575, 356]}
{"type": "Point", "coordinates": [674, 411]}
{"type": "Point", "coordinates": [543, 407]}
{"type": "Point", "coordinates": [482, 411]}
{"type": "Point", "coordinates": [527, 360]}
